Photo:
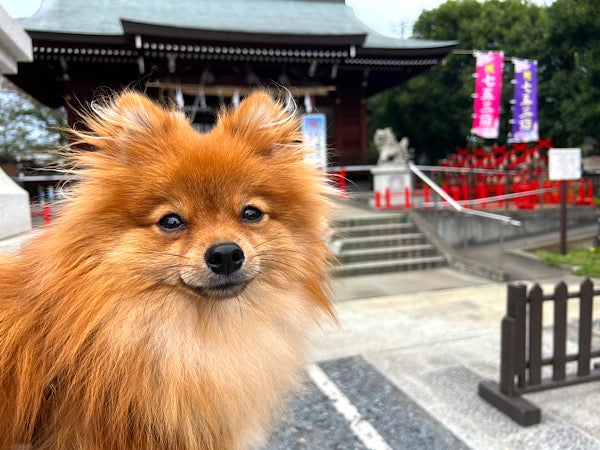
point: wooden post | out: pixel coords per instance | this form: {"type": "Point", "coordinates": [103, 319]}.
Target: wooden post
{"type": "Point", "coordinates": [507, 357]}
{"type": "Point", "coordinates": [536, 297]}
{"type": "Point", "coordinates": [586, 297]}
{"type": "Point", "coordinates": [560, 332]}
{"type": "Point", "coordinates": [517, 308]}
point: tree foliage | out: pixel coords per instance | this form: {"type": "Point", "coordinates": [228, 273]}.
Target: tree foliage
{"type": "Point", "coordinates": [434, 109]}
{"type": "Point", "coordinates": [26, 126]}
{"type": "Point", "coordinates": [571, 83]}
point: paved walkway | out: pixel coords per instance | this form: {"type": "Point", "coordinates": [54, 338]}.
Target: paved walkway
{"type": "Point", "coordinates": [435, 334]}
{"type": "Point", "coordinates": [436, 345]}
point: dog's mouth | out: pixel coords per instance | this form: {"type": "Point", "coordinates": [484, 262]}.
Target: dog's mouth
{"type": "Point", "coordinates": [219, 290]}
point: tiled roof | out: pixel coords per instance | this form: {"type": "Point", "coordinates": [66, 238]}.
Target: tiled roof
{"type": "Point", "coordinates": [301, 17]}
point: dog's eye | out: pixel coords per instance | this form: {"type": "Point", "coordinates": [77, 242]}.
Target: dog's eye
{"type": "Point", "coordinates": [170, 223]}
{"type": "Point", "coordinates": [251, 214]}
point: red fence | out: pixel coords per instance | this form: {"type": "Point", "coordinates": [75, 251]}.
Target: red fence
{"type": "Point", "coordinates": [507, 176]}
{"type": "Point", "coordinates": [523, 194]}
{"type": "Point", "coordinates": [517, 156]}
{"type": "Point", "coordinates": [44, 211]}
{"type": "Point", "coordinates": [518, 195]}
{"type": "Point", "coordinates": [508, 170]}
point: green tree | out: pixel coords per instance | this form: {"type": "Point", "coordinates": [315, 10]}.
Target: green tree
{"type": "Point", "coordinates": [434, 109]}
{"type": "Point", "coordinates": [26, 126]}
{"type": "Point", "coordinates": [570, 79]}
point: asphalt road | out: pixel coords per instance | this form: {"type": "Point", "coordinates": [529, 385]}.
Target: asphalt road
{"type": "Point", "coordinates": [372, 413]}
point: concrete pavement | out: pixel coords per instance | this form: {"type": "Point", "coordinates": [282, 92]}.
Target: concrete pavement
{"type": "Point", "coordinates": [437, 345]}
{"type": "Point", "coordinates": [435, 334]}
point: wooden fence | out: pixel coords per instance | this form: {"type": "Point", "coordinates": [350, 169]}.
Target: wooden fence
{"type": "Point", "coordinates": [522, 359]}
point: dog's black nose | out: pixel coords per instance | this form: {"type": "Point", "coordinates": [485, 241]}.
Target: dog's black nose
{"type": "Point", "coordinates": [224, 259]}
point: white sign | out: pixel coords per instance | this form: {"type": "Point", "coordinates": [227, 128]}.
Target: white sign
{"type": "Point", "coordinates": [564, 164]}
{"type": "Point", "coordinates": [314, 131]}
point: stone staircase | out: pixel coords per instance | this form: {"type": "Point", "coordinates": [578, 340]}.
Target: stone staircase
{"type": "Point", "coordinates": [380, 243]}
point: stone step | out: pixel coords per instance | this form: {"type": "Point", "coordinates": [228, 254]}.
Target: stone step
{"type": "Point", "coordinates": [385, 253]}
{"type": "Point", "coordinates": [381, 242]}
{"type": "Point", "coordinates": [374, 229]}
{"type": "Point", "coordinates": [370, 220]}
{"type": "Point", "coordinates": [378, 241]}
{"type": "Point", "coordinates": [385, 266]}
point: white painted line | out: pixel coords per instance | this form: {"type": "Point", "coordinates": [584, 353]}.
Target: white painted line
{"type": "Point", "coordinates": [361, 428]}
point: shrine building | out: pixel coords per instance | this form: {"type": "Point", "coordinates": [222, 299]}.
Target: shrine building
{"type": "Point", "coordinates": [205, 53]}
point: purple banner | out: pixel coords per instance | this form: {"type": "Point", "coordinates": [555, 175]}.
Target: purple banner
{"type": "Point", "coordinates": [525, 107]}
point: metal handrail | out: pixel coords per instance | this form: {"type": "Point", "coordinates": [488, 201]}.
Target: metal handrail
{"type": "Point", "coordinates": [468, 170]}
{"type": "Point", "coordinates": [500, 198]}
{"type": "Point", "coordinates": [457, 206]}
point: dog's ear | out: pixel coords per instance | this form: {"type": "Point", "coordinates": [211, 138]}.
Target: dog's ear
{"type": "Point", "coordinates": [264, 121]}
{"type": "Point", "coordinates": [122, 127]}
{"type": "Point", "coordinates": [131, 113]}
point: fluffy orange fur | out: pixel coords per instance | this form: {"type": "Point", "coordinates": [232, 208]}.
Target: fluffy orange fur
{"type": "Point", "coordinates": [114, 332]}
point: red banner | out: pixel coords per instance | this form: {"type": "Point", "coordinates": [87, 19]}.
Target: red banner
{"type": "Point", "coordinates": [488, 88]}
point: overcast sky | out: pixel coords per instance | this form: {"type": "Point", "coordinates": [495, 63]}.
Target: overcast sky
{"type": "Point", "coordinates": [391, 17]}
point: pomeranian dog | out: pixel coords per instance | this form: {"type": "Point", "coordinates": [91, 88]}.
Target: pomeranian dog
{"type": "Point", "coordinates": [168, 306]}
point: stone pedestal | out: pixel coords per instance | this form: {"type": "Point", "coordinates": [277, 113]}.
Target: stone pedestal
{"type": "Point", "coordinates": [15, 213]}
{"type": "Point", "coordinates": [394, 177]}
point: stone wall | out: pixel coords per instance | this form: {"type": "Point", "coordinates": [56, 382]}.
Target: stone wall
{"type": "Point", "coordinates": [15, 212]}
{"type": "Point", "coordinates": [456, 228]}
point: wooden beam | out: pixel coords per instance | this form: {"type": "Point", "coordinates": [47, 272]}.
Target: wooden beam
{"type": "Point", "coordinates": [228, 91]}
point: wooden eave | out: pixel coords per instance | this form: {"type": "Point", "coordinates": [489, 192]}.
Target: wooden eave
{"type": "Point", "coordinates": [418, 52]}
{"type": "Point", "coordinates": [79, 40]}
{"type": "Point", "coordinates": [240, 37]}
{"type": "Point", "coordinates": [151, 40]}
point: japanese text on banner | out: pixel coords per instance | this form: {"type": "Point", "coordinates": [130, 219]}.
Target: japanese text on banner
{"type": "Point", "coordinates": [525, 110]}
{"type": "Point", "coordinates": [488, 88]}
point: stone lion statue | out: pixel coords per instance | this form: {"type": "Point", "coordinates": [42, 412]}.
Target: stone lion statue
{"type": "Point", "coordinates": [390, 150]}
